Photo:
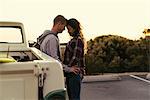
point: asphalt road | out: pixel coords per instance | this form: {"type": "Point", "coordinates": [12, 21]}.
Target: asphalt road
{"type": "Point", "coordinates": [126, 89]}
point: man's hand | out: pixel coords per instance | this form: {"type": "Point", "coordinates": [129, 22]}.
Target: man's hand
{"type": "Point", "coordinates": [75, 69]}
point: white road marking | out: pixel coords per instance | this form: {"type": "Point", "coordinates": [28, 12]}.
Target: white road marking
{"type": "Point", "coordinates": [142, 79]}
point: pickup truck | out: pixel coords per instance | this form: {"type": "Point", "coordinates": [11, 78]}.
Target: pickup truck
{"type": "Point", "coordinates": [25, 72]}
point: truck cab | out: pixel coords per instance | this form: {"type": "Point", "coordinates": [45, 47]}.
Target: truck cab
{"type": "Point", "coordinates": [26, 73]}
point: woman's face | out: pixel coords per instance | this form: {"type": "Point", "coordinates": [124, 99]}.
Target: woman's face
{"type": "Point", "coordinates": [70, 30]}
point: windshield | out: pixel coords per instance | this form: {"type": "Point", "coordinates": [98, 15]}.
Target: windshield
{"type": "Point", "coordinates": [10, 34]}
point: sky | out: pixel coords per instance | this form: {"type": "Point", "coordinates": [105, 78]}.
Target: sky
{"type": "Point", "coordinates": [127, 18]}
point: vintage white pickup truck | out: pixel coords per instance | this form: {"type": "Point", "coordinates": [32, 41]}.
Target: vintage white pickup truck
{"type": "Point", "coordinates": [25, 72]}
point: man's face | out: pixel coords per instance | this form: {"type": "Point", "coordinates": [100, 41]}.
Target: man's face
{"type": "Point", "coordinates": [61, 27]}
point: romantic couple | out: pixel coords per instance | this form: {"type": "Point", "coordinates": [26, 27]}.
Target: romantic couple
{"type": "Point", "coordinates": [73, 64]}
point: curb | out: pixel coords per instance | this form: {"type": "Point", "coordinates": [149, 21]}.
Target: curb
{"type": "Point", "coordinates": [148, 76]}
{"type": "Point", "coordinates": [101, 78]}
{"type": "Point", "coordinates": [111, 77]}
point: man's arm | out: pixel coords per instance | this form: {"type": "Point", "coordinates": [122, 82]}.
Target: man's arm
{"type": "Point", "coordinates": [52, 47]}
{"type": "Point", "coordinates": [73, 69]}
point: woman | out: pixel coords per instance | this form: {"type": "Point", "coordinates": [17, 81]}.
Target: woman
{"type": "Point", "coordinates": [73, 56]}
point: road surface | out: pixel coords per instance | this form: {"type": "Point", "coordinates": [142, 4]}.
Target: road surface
{"type": "Point", "coordinates": [128, 88]}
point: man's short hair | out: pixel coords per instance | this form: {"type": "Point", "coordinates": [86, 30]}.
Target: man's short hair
{"type": "Point", "coordinates": [59, 18]}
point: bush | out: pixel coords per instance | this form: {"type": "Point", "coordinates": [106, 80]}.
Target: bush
{"type": "Point", "coordinates": [111, 53]}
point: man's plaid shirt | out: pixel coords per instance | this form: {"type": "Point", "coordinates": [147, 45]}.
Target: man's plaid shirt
{"type": "Point", "coordinates": [74, 53]}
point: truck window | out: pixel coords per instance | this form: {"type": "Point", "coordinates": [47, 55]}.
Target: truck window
{"type": "Point", "coordinates": [10, 35]}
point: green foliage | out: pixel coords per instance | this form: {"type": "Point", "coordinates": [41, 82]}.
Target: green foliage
{"type": "Point", "coordinates": [111, 53]}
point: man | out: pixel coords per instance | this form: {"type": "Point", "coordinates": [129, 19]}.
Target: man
{"type": "Point", "coordinates": [50, 43]}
